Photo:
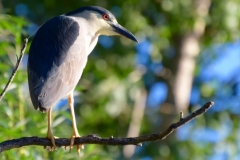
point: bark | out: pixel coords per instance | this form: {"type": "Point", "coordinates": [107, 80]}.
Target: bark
{"type": "Point", "coordinates": [95, 139]}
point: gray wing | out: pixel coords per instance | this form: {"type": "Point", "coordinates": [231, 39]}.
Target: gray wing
{"type": "Point", "coordinates": [52, 71]}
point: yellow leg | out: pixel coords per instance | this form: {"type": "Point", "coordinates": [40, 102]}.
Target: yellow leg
{"type": "Point", "coordinates": [49, 132]}
{"type": "Point", "coordinates": [75, 133]}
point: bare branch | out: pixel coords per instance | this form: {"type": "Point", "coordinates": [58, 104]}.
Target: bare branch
{"type": "Point", "coordinates": [95, 139]}
{"type": "Point", "coordinates": [15, 69]}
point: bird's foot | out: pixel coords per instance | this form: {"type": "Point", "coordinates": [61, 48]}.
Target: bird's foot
{"type": "Point", "coordinates": [53, 147]}
{"type": "Point", "coordinates": [72, 138]}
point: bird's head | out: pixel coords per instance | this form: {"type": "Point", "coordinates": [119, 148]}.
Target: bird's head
{"type": "Point", "coordinates": [102, 21]}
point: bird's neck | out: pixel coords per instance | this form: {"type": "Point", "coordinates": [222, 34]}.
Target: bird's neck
{"type": "Point", "coordinates": [93, 38]}
{"type": "Point", "coordinates": [88, 32]}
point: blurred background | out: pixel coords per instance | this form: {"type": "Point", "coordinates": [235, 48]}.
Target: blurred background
{"type": "Point", "coordinates": [188, 54]}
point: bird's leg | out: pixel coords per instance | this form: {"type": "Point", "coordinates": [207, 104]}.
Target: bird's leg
{"type": "Point", "coordinates": [75, 133]}
{"type": "Point", "coordinates": [49, 132]}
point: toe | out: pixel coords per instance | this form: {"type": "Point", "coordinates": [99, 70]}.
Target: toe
{"type": "Point", "coordinates": [52, 139]}
{"type": "Point", "coordinates": [79, 147]}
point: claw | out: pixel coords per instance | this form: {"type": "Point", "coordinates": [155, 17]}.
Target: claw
{"type": "Point", "coordinates": [72, 138]}
{"type": "Point", "coordinates": [52, 138]}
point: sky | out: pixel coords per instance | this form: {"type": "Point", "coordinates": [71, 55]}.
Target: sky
{"type": "Point", "coordinates": [219, 67]}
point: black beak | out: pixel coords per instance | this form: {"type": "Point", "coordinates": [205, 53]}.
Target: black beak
{"type": "Point", "coordinates": [123, 31]}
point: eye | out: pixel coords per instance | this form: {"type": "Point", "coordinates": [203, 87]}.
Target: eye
{"type": "Point", "coordinates": [105, 17]}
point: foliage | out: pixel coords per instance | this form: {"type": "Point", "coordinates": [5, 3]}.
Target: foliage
{"type": "Point", "coordinates": [116, 74]}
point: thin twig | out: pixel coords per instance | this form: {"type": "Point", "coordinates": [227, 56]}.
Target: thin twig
{"type": "Point", "coordinates": [15, 69]}
{"type": "Point", "coordinates": [95, 139]}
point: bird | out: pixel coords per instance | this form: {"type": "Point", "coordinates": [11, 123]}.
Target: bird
{"type": "Point", "coordinates": [59, 53]}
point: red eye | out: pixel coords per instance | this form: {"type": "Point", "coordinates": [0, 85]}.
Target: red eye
{"type": "Point", "coordinates": [105, 17]}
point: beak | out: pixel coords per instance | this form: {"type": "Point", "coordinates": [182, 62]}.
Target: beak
{"type": "Point", "coordinates": [123, 31]}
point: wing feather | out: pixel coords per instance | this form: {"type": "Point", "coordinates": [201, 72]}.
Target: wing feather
{"type": "Point", "coordinates": [55, 61]}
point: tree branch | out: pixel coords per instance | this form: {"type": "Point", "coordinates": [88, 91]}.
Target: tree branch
{"type": "Point", "coordinates": [15, 68]}
{"type": "Point", "coordinates": [95, 139]}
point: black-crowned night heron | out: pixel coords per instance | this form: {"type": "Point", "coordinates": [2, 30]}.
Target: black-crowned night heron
{"type": "Point", "coordinates": [58, 55]}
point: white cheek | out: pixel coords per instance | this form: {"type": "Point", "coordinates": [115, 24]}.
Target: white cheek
{"type": "Point", "coordinates": [115, 21]}
{"type": "Point", "coordinates": [106, 29]}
